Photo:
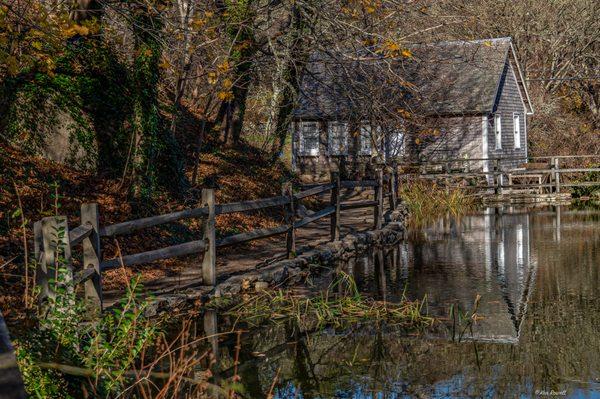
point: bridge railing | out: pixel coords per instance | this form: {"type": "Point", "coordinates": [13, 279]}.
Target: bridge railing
{"type": "Point", "coordinates": [542, 173]}
{"type": "Point", "coordinates": [55, 242]}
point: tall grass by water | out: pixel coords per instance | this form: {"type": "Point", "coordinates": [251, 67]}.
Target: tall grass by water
{"type": "Point", "coordinates": [427, 201]}
{"type": "Point", "coordinates": [339, 306]}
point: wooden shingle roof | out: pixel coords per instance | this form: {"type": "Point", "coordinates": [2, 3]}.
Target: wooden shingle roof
{"type": "Point", "coordinates": [445, 78]}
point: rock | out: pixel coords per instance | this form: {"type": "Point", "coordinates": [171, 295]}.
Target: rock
{"type": "Point", "coordinates": [261, 286]}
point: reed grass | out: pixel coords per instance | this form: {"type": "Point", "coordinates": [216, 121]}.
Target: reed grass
{"type": "Point", "coordinates": [428, 201]}
{"type": "Point", "coordinates": [330, 308]}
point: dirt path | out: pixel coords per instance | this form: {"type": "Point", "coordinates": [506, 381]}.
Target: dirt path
{"type": "Point", "coordinates": [239, 260]}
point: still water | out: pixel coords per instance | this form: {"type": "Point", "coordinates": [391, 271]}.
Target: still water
{"type": "Point", "coordinates": [537, 333]}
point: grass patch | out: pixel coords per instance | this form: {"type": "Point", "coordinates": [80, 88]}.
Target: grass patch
{"type": "Point", "coordinates": [329, 309]}
{"type": "Point", "coordinates": [427, 201]}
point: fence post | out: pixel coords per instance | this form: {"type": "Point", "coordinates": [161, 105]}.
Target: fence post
{"type": "Point", "coordinates": [497, 177]}
{"type": "Point", "coordinates": [378, 213]}
{"type": "Point", "coordinates": [41, 278]}
{"type": "Point", "coordinates": [555, 161]}
{"type": "Point", "coordinates": [92, 254]}
{"type": "Point", "coordinates": [209, 273]}
{"type": "Point", "coordinates": [290, 212]}
{"type": "Point", "coordinates": [335, 201]}
{"type": "Point", "coordinates": [393, 188]}
{"type": "Point", "coordinates": [55, 242]}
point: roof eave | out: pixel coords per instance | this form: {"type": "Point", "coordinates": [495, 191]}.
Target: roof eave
{"type": "Point", "coordinates": [522, 84]}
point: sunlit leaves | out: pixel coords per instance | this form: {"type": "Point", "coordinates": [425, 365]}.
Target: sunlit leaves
{"type": "Point", "coordinates": [225, 95]}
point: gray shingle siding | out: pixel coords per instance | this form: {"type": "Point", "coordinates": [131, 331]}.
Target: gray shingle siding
{"type": "Point", "coordinates": [460, 137]}
{"type": "Point", "coordinates": [456, 87]}
{"type": "Point", "coordinates": [508, 102]}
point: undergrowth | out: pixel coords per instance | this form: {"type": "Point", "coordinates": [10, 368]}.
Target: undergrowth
{"type": "Point", "coordinates": [70, 355]}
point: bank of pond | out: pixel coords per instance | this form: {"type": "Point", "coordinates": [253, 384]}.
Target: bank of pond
{"type": "Point", "coordinates": [501, 302]}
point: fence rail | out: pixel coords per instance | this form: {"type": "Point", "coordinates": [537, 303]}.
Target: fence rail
{"type": "Point", "coordinates": [54, 242]}
{"type": "Point", "coordinates": [552, 175]}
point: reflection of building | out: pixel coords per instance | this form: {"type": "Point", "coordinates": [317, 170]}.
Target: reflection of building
{"type": "Point", "coordinates": [454, 261]}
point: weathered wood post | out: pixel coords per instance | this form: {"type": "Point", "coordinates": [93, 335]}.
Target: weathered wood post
{"type": "Point", "coordinates": [209, 272]}
{"type": "Point", "coordinates": [92, 255]}
{"type": "Point", "coordinates": [335, 201]}
{"type": "Point", "coordinates": [290, 212]}
{"type": "Point", "coordinates": [555, 162]}
{"type": "Point", "coordinates": [378, 212]}
{"type": "Point", "coordinates": [497, 177]}
{"type": "Point", "coordinates": [41, 278]}
{"type": "Point", "coordinates": [211, 331]}
{"type": "Point", "coordinates": [393, 188]}
{"type": "Point", "coordinates": [55, 254]}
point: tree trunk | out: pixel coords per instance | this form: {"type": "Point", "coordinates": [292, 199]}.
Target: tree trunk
{"type": "Point", "coordinates": [297, 58]}
{"type": "Point", "coordinates": [156, 157]}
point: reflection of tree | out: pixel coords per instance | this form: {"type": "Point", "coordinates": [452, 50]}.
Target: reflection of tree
{"type": "Point", "coordinates": [558, 342]}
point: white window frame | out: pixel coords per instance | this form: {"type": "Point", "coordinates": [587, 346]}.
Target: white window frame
{"type": "Point", "coordinates": [344, 142]}
{"type": "Point", "coordinates": [517, 130]}
{"type": "Point", "coordinates": [498, 130]}
{"type": "Point", "coordinates": [365, 142]}
{"type": "Point", "coordinates": [397, 135]}
{"type": "Point", "coordinates": [302, 125]}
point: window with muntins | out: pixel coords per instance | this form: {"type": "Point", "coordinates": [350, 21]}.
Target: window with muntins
{"type": "Point", "coordinates": [395, 144]}
{"type": "Point", "coordinates": [498, 131]}
{"type": "Point", "coordinates": [517, 129]}
{"type": "Point", "coordinates": [337, 133]}
{"type": "Point", "coordinates": [309, 138]}
{"type": "Point", "coordinates": [365, 139]}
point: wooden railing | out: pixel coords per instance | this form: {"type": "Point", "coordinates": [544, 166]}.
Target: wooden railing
{"type": "Point", "coordinates": [553, 173]}
{"type": "Point", "coordinates": [54, 242]}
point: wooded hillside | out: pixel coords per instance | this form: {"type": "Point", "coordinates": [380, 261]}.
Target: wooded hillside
{"type": "Point", "coordinates": [135, 89]}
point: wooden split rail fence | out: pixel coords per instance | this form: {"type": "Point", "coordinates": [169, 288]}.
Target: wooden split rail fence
{"type": "Point", "coordinates": [547, 174]}
{"type": "Point", "coordinates": [55, 243]}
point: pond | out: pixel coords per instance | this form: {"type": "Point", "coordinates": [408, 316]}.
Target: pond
{"type": "Point", "coordinates": [535, 334]}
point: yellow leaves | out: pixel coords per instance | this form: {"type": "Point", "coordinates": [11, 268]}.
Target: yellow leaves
{"type": "Point", "coordinates": [391, 46]}
{"type": "Point", "coordinates": [212, 78]}
{"type": "Point", "coordinates": [227, 84]}
{"type": "Point", "coordinates": [198, 23]}
{"type": "Point", "coordinates": [165, 64]}
{"type": "Point", "coordinates": [487, 43]}
{"type": "Point", "coordinates": [225, 95]}
{"type": "Point", "coordinates": [76, 30]}
{"type": "Point", "coordinates": [36, 45]}
{"type": "Point", "coordinates": [81, 30]}
{"type": "Point", "coordinates": [403, 113]}
{"type": "Point", "coordinates": [223, 67]}
{"type": "Point", "coordinates": [417, 141]}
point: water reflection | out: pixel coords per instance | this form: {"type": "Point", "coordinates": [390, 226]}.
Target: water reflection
{"type": "Point", "coordinates": [538, 275]}
{"type": "Point", "coordinates": [453, 261]}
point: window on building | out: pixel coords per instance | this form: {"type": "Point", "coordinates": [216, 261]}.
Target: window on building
{"type": "Point", "coordinates": [395, 144]}
{"type": "Point", "coordinates": [517, 129]}
{"type": "Point", "coordinates": [338, 134]}
{"type": "Point", "coordinates": [309, 138]}
{"type": "Point", "coordinates": [365, 139]}
{"type": "Point", "coordinates": [498, 130]}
